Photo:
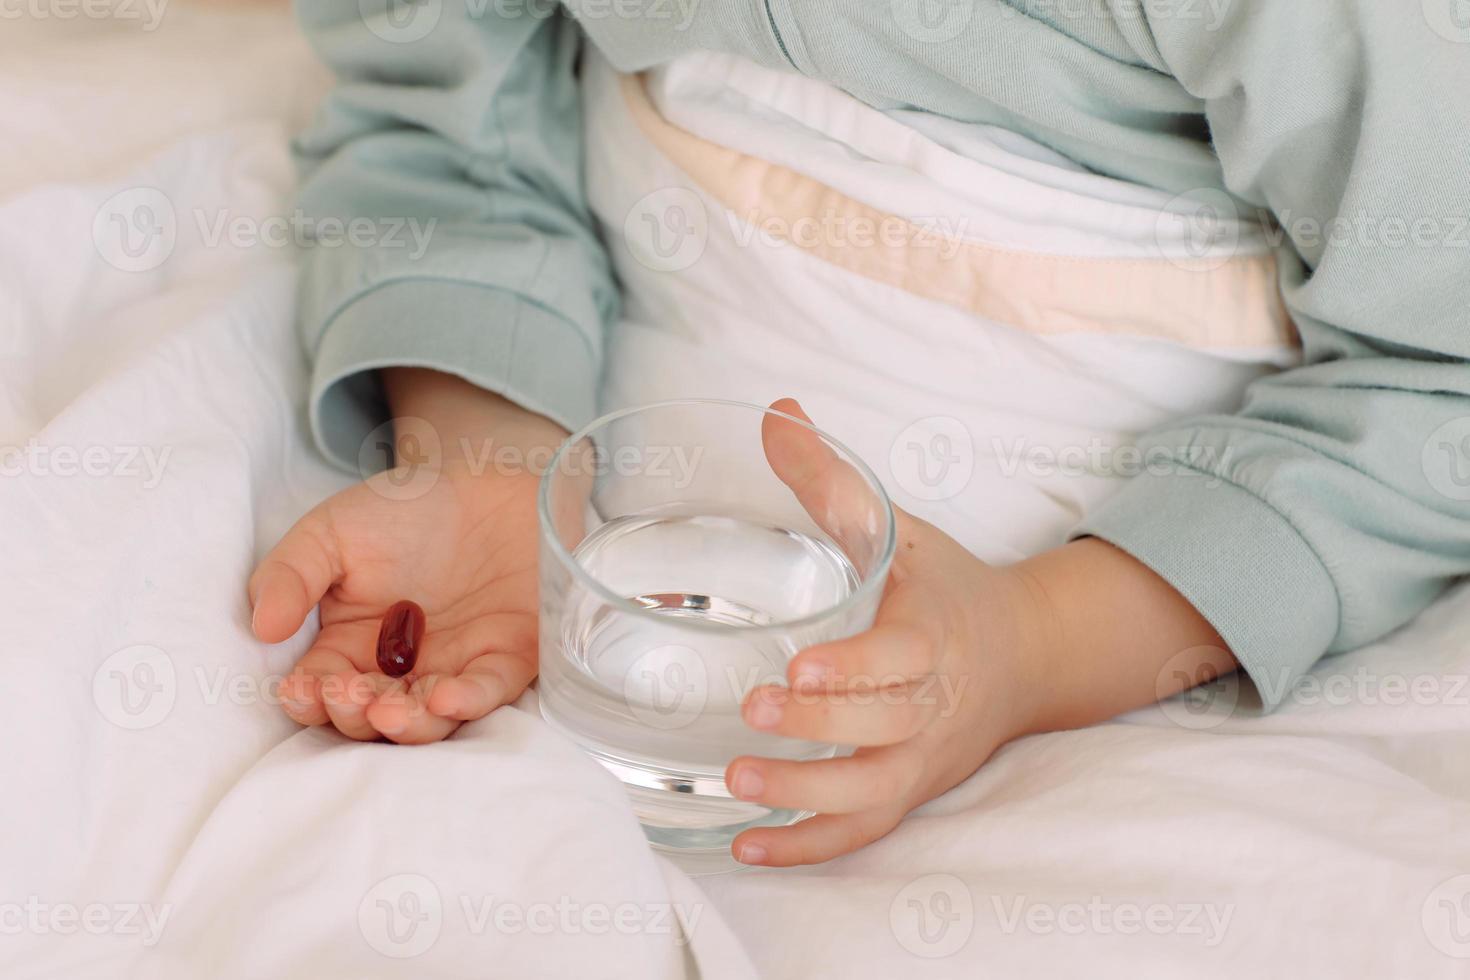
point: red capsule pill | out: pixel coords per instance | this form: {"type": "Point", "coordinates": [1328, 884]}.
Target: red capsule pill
{"type": "Point", "coordinates": [399, 638]}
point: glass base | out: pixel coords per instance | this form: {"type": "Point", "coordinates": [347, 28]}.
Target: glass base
{"type": "Point", "coordinates": [701, 863]}
{"type": "Point", "coordinates": [690, 818]}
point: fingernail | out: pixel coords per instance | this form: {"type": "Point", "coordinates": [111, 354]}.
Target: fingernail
{"type": "Point", "coordinates": [747, 784]}
{"type": "Point", "coordinates": [283, 693]}
{"type": "Point", "coordinates": [751, 854]}
{"type": "Point", "coordinates": [390, 729]}
{"type": "Point", "coordinates": [254, 615]}
{"type": "Point", "coordinates": [763, 714]}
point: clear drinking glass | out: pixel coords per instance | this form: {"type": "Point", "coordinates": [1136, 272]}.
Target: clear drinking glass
{"type": "Point", "coordinates": [678, 572]}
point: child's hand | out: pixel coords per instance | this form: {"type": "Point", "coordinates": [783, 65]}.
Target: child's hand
{"type": "Point", "coordinates": [963, 658]}
{"type": "Point", "coordinates": [465, 551]}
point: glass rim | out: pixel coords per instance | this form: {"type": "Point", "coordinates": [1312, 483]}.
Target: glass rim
{"type": "Point", "coordinates": [870, 583]}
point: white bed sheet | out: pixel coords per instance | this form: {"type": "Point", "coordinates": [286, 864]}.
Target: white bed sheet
{"type": "Point", "coordinates": [161, 818]}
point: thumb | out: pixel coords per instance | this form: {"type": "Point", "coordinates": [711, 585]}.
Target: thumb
{"type": "Point", "coordinates": [292, 578]}
{"type": "Point", "coordinates": [830, 488]}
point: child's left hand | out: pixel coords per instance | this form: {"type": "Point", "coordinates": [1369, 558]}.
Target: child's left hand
{"type": "Point", "coordinates": [959, 662]}
{"type": "Point", "coordinates": [936, 686]}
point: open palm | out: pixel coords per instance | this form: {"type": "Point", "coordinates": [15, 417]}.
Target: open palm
{"type": "Point", "coordinates": [462, 546]}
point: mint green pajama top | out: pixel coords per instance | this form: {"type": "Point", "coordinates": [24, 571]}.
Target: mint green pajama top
{"type": "Point", "coordinates": [1342, 500]}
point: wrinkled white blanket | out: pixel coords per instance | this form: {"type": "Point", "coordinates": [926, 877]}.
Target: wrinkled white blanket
{"type": "Point", "coordinates": [162, 819]}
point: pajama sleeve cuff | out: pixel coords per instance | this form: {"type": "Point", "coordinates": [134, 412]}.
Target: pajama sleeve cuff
{"type": "Point", "coordinates": [1238, 561]}
{"type": "Point", "coordinates": [492, 338]}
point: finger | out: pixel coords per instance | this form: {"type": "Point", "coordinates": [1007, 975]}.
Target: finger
{"type": "Point", "coordinates": [347, 697]}
{"type": "Point", "coordinates": [870, 779]}
{"type": "Point", "coordinates": [301, 691]}
{"type": "Point", "coordinates": [890, 654]}
{"type": "Point", "coordinates": [813, 841]}
{"type": "Point", "coordinates": [884, 716]}
{"type": "Point", "coordinates": [829, 488]}
{"type": "Point", "coordinates": [292, 578]}
{"type": "Point", "coordinates": [301, 699]}
{"type": "Point", "coordinates": [402, 715]}
{"type": "Point", "coordinates": [483, 685]}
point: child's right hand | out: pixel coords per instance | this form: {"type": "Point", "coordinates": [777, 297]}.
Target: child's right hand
{"type": "Point", "coordinates": [465, 551]}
